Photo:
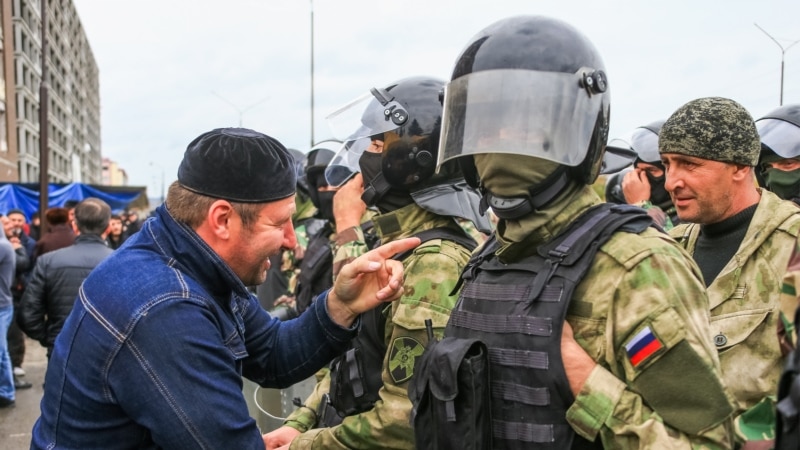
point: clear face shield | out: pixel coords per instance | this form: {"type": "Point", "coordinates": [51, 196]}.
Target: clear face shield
{"type": "Point", "coordinates": [355, 124]}
{"type": "Point", "coordinates": [780, 136]}
{"type": "Point", "coordinates": [548, 115]}
{"type": "Point", "coordinates": [640, 143]}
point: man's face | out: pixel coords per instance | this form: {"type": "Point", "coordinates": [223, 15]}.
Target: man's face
{"type": "Point", "coordinates": [699, 188]}
{"type": "Point", "coordinates": [253, 245]}
{"type": "Point", "coordinates": [17, 219]}
{"type": "Point", "coordinates": [651, 169]}
{"type": "Point", "coordinates": [785, 165]}
{"type": "Point", "coordinates": [8, 226]}
{"type": "Point", "coordinates": [115, 226]}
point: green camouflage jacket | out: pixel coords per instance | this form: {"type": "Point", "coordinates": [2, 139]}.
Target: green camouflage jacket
{"type": "Point", "coordinates": [746, 318]}
{"type": "Point", "coordinates": [669, 397]}
{"type": "Point", "coordinates": [431, 273]}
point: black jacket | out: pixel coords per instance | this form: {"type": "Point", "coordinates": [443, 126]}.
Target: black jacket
{"type": "Point", "coordinates": [54, 284]}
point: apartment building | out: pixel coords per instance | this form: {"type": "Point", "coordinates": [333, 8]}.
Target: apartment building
{"type": "Point", "coordinates": [72, 93]}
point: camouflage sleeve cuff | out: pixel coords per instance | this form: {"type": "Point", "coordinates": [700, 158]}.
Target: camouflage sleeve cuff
{"type": "Point", "coordinates": [349, 235]}
{"type": "Point", "coordinates": [644, 204]}
{"type": "Point", "coordinates": [306, 440]}
{"type": "Point", "coordinates": [302, 419]}
{"type": "Point", "coordinates": [595, 403]}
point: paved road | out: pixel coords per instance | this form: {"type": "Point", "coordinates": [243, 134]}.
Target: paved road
{"type": "Point", "coordinates": [16, 422]}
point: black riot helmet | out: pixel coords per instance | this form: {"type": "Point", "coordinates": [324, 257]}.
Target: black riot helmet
{"type": "Point", "coordinates": [780, 132]}
{"type": "Point", "coordinates": [642, 142]}
{"type": "Point", "coordinates": [300, 169]}
{"type": "Point", "coordinates": [406, 116]}
{"type": "Point", "coordinates": [528, 85]}
{"type": "Point", "coordinates": [316, 161]}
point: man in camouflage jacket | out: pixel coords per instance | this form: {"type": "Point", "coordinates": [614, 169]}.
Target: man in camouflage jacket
{"type": "Point", "coordinates": [741, 237]}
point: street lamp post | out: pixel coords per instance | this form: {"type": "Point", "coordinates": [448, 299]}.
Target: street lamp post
{"type": "Point", "coordinates": [783, 54]}
{"type": "Point", "coordinates": [241, 111]}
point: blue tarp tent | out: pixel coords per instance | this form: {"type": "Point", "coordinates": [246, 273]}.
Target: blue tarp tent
{"type": "Point", "coordinates": [14, 195]}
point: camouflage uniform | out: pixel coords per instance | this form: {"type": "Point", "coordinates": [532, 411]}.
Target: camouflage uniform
{"type": "Point", "coordinates": [662, 218]}
{"type": "Point", "coordinates": [431, 273]}
{"type": "Point", "coordinates": [638, 281]}
{"type": "Point", "coordinates": [290, 259]}
{"type": "Point", "coordinates": [746, 307]}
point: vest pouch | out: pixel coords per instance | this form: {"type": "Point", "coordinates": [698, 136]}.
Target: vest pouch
{"type": "Point", "coordinates": [348, 384]}
{"type": "Point", "coordinates": [450, 393]}
{"type": "Point", "coordinates": [787, 427]}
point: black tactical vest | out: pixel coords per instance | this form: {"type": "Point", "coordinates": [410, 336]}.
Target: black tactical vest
{"type": "Point", "coordinates": [356, 376]}
{"type": "Point", "coordinates": [787, 427]}
{"type": "Point", "coordinates": [518, 311]}
{"type": "Point", "coordinates": [316, 268]}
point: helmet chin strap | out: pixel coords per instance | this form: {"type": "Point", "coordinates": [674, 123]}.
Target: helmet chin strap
{"type": "Point", "coordinates": [375, 189]}
{"type": "Point", "coordinates": [511, 208]}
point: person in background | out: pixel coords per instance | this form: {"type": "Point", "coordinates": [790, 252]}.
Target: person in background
{"type": "Point", "coordinates": [131, 223]}
{"type": "Point", "coordinates": [36, 226]}
{"type": "Point", "coordinates": [16, 338]}
{"type": "Point", "coordinates": [779, 162]}
{"type": "Point", "coordinates": [60, 233]}
{"type": "Point", "coordinates": [7, 268]}
{"type": "Point", "coordinates": [644, 185]}
{"type": "Point", "coordinates": [741, 237]}
{"type": "Point", "coordinates": [21, 229]}
{"type": "Point", "coordinates": [600, 329]}
{"type": "Point", "coordinates": [155, 348]}
{"type": "Point", "coordinates": [115, 236]}
{"type": "Point", "coordinates": [57, 275]}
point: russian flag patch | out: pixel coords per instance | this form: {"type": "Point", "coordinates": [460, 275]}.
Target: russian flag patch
{"type": "Point", "coordinates": [642, 346]}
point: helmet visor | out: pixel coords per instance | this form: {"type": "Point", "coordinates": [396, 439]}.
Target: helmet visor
{"type": "Point", "coordinates": [618, 156]}
{"type": "Point", "coordinates": [642, 141]}
{"type": "Point", "coordinates": [373, 113]}
{"type": "Point", "coordinates": [542, 114]}
{"type": "Point", "coordinates": [780, 136]}
{"type": "Point", "coordinates": [345, 162]}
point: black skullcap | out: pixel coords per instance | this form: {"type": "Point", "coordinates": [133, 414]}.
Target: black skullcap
{"type": "Point", "coordinates": [238, 164]}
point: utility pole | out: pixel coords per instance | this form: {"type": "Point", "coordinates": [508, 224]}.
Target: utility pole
{"type": "Point", "coordinates": [783, 54]}
{"type": "Point", "coordinates": [44, 182]}
{"type": "Point", "coordinates": [312, 74]}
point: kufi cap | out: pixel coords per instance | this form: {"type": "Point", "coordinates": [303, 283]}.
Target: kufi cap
{"type": "Point", "coordinates": [712, 128]}
{"type": "Point", "coordinates": [239, 165]}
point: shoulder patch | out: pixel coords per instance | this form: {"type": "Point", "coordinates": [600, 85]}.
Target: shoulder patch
{"type": "Point", "coordinates": [642, 346]}
{"type": "Point", "coordinates": [403, 356]}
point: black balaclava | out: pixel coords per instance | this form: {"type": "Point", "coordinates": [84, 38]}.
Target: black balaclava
{"type": "Point", "coordinates": [783, 183]}
{"type": "Point", "coordinates": [391, 199]}
{"type": "Point", "coordinates": [658, 193]}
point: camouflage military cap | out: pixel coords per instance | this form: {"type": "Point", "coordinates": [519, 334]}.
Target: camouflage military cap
{"type": "Point", "coordinates": [712, 128]}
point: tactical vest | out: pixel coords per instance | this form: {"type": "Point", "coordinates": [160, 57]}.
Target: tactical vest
{"type": "Point", "coordinates": [518, 310]}
{"type": "Point", "coordinates": [316, 269]}
{"type": "Point", "coordinates": [787, 425]}
{"type": "Point", "coordinates": [356, 376]}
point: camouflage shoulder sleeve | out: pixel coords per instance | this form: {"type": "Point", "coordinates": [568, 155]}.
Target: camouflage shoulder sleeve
{"type": "Point", "coordinates": [431, 274]}
{"type": "Point", "coordinates": [660, 379]}
{"type": "Point", "coordinates": [347, 246]}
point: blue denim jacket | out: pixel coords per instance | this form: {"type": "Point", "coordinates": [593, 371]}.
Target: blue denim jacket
{"type": "Point", "coordinates": [153, 353]}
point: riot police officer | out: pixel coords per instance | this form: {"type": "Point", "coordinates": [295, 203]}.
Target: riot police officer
{"type": "Point", "coordinates": [779, 164]}
{"type": "Point", "coordinates": [526, 114]}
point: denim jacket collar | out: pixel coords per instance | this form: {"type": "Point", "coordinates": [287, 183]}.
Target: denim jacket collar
{"type": "Point", "coordinates": [195, 257]}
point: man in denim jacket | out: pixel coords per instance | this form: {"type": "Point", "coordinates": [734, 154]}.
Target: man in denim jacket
{"type": "Point", "coordinates": [155, 359]}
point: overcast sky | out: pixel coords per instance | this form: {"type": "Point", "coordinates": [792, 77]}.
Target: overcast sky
{"type": "Point", "coordinates": [173, 69]}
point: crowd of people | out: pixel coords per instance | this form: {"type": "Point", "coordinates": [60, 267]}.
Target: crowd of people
{"type": "Point", "coordinates": [444, 268]}
{"type": "Point", "coordinates": [41, 278]}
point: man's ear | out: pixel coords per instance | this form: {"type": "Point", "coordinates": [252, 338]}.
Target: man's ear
{"type": "Point", "coordinates": [743, 172]}
{"type": "Point", "coordinates": [219, 218]}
